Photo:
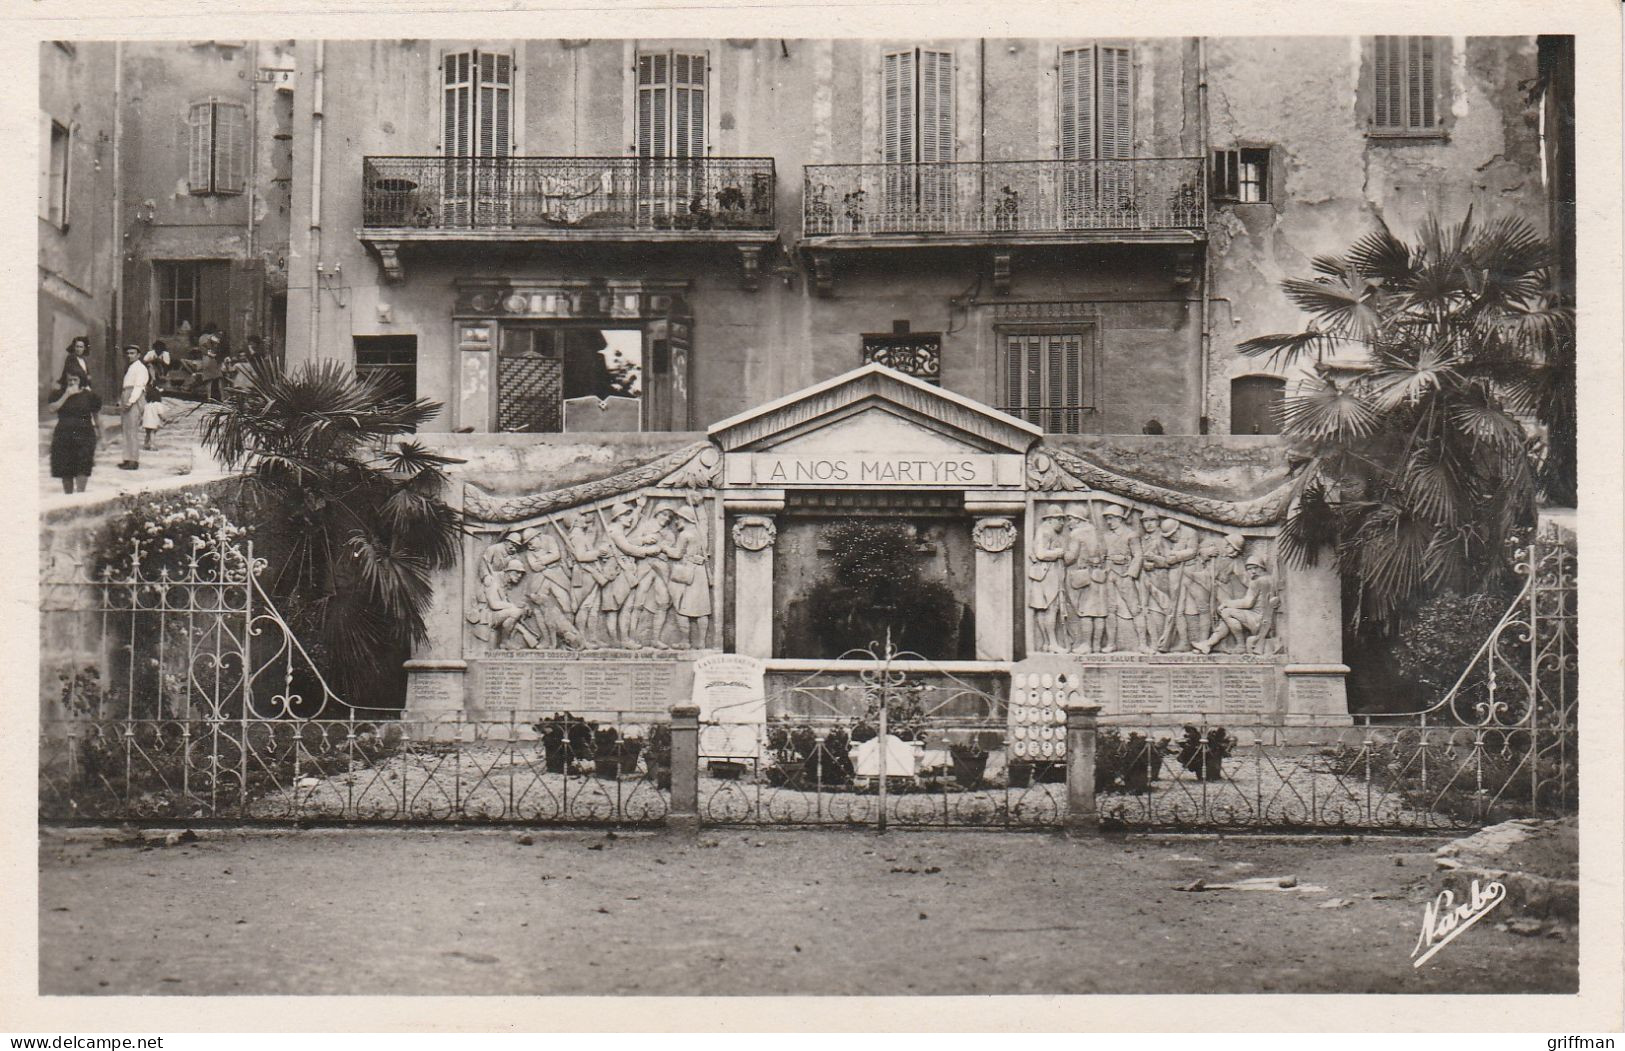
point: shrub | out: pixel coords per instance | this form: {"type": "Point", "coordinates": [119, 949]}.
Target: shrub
{"type": "Point", "coordinates": [875, 590]}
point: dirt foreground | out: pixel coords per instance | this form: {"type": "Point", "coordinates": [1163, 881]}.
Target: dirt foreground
{"type": "Point", "coordinates": [452, 912]}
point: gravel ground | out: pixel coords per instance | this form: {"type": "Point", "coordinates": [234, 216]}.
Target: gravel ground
{"type": "Point", "coordinates": [743, 912]}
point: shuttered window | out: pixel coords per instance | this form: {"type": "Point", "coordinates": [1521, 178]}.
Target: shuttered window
{"type": "Point", "coordinates": [1096, 96]}
{"type": "Point", "coordinates": [477, 104]}
{"type": "Point", "coordinates": [1049, 377]}
{"type": "Point", "coordinates": [671, 104]}
{"type": "Point", "coordinates": [1406, 84]}
{"type": "Point", "coordinates": [217, 138]}
{"type": "Point", "coordinates": [917, 106]}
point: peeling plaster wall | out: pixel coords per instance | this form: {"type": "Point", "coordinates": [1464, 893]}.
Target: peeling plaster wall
{"type": "Point", "coordinates": [1306, 98]}
{"type": "Point", "coordinates": [163, 219]}
{"type": "Point", "coordinates": [76, 262]}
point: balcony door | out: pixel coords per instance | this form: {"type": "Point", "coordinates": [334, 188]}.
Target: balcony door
{"type": "Point", "coordinates": [477, 138]}
{"type": "Point", "coordinates": [917, 125]}
{"type": "Point", "coordinates": [672, 189]}
{"type": "Point", "coordinates": [1096, 125]}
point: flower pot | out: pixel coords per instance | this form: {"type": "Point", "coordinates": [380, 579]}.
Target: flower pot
{"type": "Point", "coordinates": [659, 772]}
{"type": "Point", "coordinates": [1021, 775]}
{"type": "Point", "coordinates": [969, 767]}
{"type": "Point", "coordinates": [609, 768]}
{"type": "Point", "coordinates": [723, 770]}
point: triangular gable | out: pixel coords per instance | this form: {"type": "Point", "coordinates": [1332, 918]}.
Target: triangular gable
{"type": "Point", "coordinates": [875, 388]}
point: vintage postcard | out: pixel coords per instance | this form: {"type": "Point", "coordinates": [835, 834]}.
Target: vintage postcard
{"type": "Point", "coordinates": [744, 503]}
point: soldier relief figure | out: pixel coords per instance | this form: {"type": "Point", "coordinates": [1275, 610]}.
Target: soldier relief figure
{"type": "Point", "coordinates": [1103, 578]}
{"type": "Point", "coordinates": [634, 576]}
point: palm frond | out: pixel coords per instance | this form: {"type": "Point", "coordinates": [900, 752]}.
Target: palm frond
{"type": "Point", "coordinates": [1327, 413]}
{"type": "Point", "coordinates": [1381, 255]}
{"type": "Point", "coordinates": [1343, 305]}
{"type": "Point", "coordinates": [1397, 379]}
{"type": "Point", "coordinates": [1287, 348]}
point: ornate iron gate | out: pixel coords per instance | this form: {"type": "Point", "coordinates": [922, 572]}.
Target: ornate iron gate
{"type": "Point", "coordinates": [1500, 744]}
{"type": "Point", "coordinates": [890, 740]}
{"type": "Point", "coordinates": [188, 697]}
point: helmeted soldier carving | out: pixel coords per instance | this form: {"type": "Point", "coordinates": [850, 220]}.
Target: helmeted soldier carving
{"type": "Point", "coordinates": [1250, 618]}
{"type": "Point", "coordinates": [1085, 560]}
{"type": "Point", "coordinates": [1045, 573]}
{"type": "Point", "coordinates": [690, 574]}
{"type": "Point", "coordinates": [1124, 563]}
{"type": "Point", "coordinates": [548, 593]}
{"type": "Point", "coordinates": [1180, 547]}
{"type": "Point", "coordinates": [591, 571]}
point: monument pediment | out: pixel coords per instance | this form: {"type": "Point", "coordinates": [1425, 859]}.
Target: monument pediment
{"type": "Point", "coordinates": [864, 403]}
{"type": "Point", "coordinates": [874, 427]}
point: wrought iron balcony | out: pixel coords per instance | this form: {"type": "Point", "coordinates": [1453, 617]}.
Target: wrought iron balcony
{"type": "Point", "coordinates": [1151, 198]}
{"type": "Point", "coordinates": [597, 197]}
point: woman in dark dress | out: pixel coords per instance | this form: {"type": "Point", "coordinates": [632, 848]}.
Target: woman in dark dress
{"type": "Point", "coordinates": [78, 427]}
{"type": "Point", "coordinates": [75, 362]}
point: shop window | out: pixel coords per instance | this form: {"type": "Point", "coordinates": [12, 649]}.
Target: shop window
{"type": "Point", "coordinates": [192, 298]}
{"type": "Point", "coordinates": [1255, 404]}
{"type": "Point", "coordinates": [218, 140]}
{"type": "Point", "coordinates": [394, 359]}
{"type": "Point", "coordinates": [570, 379]}
{"type": "Point", "coordinates": [1241, 176]}
{"type": "Point", "coordinates": [1408, 81]}
{"type": "Point", "coordinates": [1049, 376]}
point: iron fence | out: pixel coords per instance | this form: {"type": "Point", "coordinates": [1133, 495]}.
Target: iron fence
{"type": "Point", "coordinates": [879, 738]}
{"type": "Point", "coordinates": [613, 194]}
{"type": "Point", "coordinates": [1008, 197]}
{"type": "Point", "coordinates": [1502, 743]}
{"type": "Point", "coordinates": [187, 696]}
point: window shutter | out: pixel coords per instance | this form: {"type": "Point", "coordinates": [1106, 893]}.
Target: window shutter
{"type": "Point", "coordinates": [897, 109]}
{"type": "Point", "coordinates": [230, 140]}
{"type": "Point", "coordinates": [936, 106]}
{"type": "Point", "coordinates": [200, 140]}
{"type": "Point", "coordinates": [495, 105]}
{"type": "Point", "coordinates": [688, 116]}
{"type": "Point", "coordinates": [1012, 375]}
{"type": "Point", "coordinates": [1420, 74]}
{"type": "Point", "coordinates": [1116, 136]}
{"type": "Point", "coordinates": [654, 105]}
{"type": "Point", "coordinates": [456, 104]}
{"type": "Point", "coordinates": [1077, 97]}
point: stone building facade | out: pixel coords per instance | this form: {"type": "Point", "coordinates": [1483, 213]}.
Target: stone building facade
{"type": "Point", "coordinates": [77, 245]}
{"type": "Point", "coordinates": [1120, 210]}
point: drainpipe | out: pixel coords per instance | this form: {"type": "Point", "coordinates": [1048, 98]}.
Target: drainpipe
{"type": "Point", "coordinates": [1202, 422]}
{"type": "Point", "coordinates": [253, 141]}
{"type": "Point", "coordinates": [316, 196]}
{"type": "Point", "coordinates": [118, 192]}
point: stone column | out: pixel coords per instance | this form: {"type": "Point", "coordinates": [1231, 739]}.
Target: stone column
{"type": "Point", "coordinates": [1311, 601]}
{"type": "Point", "coordinates": [754, 532]}
{"type": "Point", "coordinates": [995, 537]}
{"type": "Point", "coordinates": [684, 815]}
{"type": "Point", "coordinates": [436, 674]}
{"type": "Point", "coordinates": [1082, 724]}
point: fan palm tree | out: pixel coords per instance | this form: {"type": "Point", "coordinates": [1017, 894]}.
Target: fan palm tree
{"type": "Point", "coordinates": [356, 518]}
{"type": "Point", "coordinates": [1417, 470]}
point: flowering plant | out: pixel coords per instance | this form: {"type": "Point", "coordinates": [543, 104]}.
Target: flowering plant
{"type": "Point", "coordinates": [166, 533]}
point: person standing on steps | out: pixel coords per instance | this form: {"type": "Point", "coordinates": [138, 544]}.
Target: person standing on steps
{"type": "Point", "coordinates": [78, 427]}
{"type": "Point", "coordinates": [133, 406]}
{"type": "Point", "coordinates": [75, 362]}
{"type": "Point", "coordinates": [152, 417]}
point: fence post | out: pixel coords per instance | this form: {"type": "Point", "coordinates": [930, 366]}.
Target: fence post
{"type": "Point", "coordinates": [1082, 724]}
{"type": "Point", "coordinates": [684, 815]}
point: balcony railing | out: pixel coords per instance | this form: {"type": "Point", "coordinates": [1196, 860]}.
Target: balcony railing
{"type": "Point", "coordinates": [1004, 197]}
{"type": "Point", "coordinates": [612, 194]}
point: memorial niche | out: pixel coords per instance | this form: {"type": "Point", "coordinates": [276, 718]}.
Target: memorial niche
{"type": "Point", "coordinates": [850, 584]}
{"type": "Point", "coordinates": [1106, 578]}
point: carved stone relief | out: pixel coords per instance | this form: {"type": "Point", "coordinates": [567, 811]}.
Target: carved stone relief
{"type": "Point", "coordinates": [994, 535]}
{"type": "Point", "coordinates": [633, 575]}
{"type": "Point", "coordinates": [1103, 577]}
{"type": "Point", "coordinates": [754, 533]}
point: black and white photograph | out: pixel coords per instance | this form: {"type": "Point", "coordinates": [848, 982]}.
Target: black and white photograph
{"type": "Point", "coordinates": [853, 512]}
